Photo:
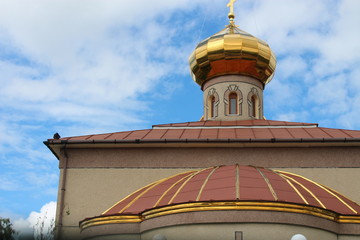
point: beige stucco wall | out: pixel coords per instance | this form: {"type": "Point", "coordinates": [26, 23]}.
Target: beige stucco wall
{"type": "Point", "coordinates": [89, 192]}
{"type": "Point", "coordinates": [201, 157]}
{"type": "Point", "coordinates": [227, 232]}
{"type": "Point", "coordinates": [250, 231]}
{"type": "Point", "coordinates": [348, 238]}
{"type": "Point", "coordinates": [119, 237]}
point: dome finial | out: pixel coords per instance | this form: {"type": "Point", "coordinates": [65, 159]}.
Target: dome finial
{"type": "Point", "coordinates": [231, 14]}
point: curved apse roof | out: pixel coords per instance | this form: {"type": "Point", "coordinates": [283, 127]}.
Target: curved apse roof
{"type": "Point", "coordinates": [234, 187]}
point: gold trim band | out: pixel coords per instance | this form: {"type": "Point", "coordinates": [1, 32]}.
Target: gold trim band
{"type": "Point", "coordinates": [110, 220]}
{"type": "Point", "coordinates": [219, 206]}
{"type": "Point", "coordinates": [262, 206]}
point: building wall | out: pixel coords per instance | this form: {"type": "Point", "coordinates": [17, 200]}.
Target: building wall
{"type": "Point", "coordinates": [91, 191]}
{"type": "Point", "coordinates": [220, 224]}
{"type": "Point", "coordinates": [348, 237]}
{"type": "Point", "coordinates": [227, 232]}
{"type": "Point", "coordinates": [250, 231]}
{"type": "Point", "coordinates": [201, 157]}
{"type": "Point", "coordinates": [96, 179]}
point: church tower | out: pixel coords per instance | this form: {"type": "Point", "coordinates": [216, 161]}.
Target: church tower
{"type": "Point", "coordinates": [232, 67]}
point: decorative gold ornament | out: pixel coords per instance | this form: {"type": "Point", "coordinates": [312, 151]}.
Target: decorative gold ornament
{"type": "Point", "coordinates": [231, 5]}
{"type": "Point", "coordinates": [231, 13]}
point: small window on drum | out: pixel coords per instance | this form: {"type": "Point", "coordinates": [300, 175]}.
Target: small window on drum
{"type": "Point", "coordinates": [253, 106]}
{"type": "Point", "coordinates": [233, 109]}
{"type": "Point", "coordinates": [212, 107]}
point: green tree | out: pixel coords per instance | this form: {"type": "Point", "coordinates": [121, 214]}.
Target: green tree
{"type": "Point", "coordinates": [6, 230]}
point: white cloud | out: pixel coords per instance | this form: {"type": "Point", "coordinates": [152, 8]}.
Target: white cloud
{"type": "Point", "coordinates": [331, 93]}
{"type": "Point", "coordinates": [343, 41]}
{"type": "Point", "coordinates": [290, 26]}
{"type": "Point", "coordinates": [316, 44]}
{"type": "Point", "coordinates": [83, 58]}
{"type": "Point", "coordinates": [291, 66]}
{"type": "Point", "coordinates": [37, 222]}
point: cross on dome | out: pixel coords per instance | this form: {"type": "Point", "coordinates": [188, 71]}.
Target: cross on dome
{"type": "Point", "coordinates": [231, 5]}
{"type": "Point", "coordinates": [231, 14]}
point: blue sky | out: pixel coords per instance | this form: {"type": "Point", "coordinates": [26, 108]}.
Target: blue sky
{"type": "Point", "coordinates": [91, 66]}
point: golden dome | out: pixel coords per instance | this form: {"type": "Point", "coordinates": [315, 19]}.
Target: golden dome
{"type": "Point", "coordinates": [232, 51]}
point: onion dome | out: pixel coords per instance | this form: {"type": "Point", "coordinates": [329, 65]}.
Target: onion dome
{"type": "Point", "coordinates": [233, 187]}
{"type": "Point", "coordinates": [232, 51]}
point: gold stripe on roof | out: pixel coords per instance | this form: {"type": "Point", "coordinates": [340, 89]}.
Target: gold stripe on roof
{"type": "Point", "coordinates": [205, 182]}
{"type": "Point", "coordinates": [322, 187]}
{"type": "Point", "coordinates": [123, 199]}
{"type": "Point", "coordinates": [149, 188]}
{"type": "Point", "coordinates": [269, 184]}
{"type": "Point", "coordinates": [340, 195]}
{"type": "Point", "coordinates": [305, 188]}
{"type": "Point", "coordinates": [184, 183]}
{"type": "Point", "coordinates": [293, 187]}
{"type": "Point", "coordinates": [107, 210]}
{"type": "Point", "coordinates": [237, 183]}
{"type": "Point", "coordinates": [163, 195]}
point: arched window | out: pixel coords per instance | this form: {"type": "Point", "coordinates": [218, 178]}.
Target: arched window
{"type": "Point", "coordinates": [233, 99]}
{"type": "Point", "coordinates": [233, 109]}
{"type": "Point", "coordinates": [212, 107]}
{"type": "Point", "coordinates": [212, 104]}
{"type": "Point", "coordinates": [253, 106]}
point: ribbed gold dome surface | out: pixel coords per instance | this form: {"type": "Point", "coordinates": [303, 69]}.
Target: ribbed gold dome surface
{"type": "Point", "coordinates": [232, 51]}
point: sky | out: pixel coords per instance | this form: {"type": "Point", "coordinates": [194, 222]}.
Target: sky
{"type": "Point", "coordinates": [97, 66]}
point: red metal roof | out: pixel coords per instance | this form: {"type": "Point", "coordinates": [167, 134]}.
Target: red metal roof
{"type": "Point", "coordinates": [225, 130]}
{"type": "Point", "coordinates": [234, 183]}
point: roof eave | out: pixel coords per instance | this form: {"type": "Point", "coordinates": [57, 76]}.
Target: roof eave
{"type": "Point", "coordinates": [54, 145]}
{"type": "Point", "coordinates": [54, 148]}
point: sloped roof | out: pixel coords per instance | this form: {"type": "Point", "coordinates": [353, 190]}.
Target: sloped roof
{"type": "Point", "coordinates": [234, 188]}
{"type": "Point", "coordinates": [234, 183]}
{"type": "Point", "coordinates": [247, 130]}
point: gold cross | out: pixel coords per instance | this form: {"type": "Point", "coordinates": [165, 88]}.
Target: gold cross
{"type": "Point", "coordinates": [231, 5]}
